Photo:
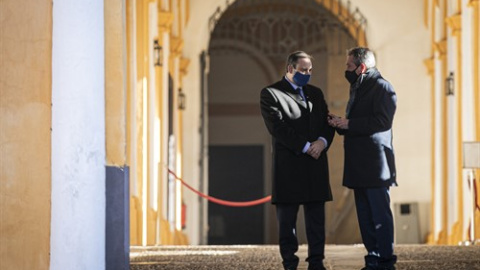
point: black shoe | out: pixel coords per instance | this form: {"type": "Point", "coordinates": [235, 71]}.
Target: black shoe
{"type": "Point", "coordinates": [367, 268]}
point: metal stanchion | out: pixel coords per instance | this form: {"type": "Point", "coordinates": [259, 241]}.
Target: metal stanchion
{"type": "Point", "coordinates": [471, 160]}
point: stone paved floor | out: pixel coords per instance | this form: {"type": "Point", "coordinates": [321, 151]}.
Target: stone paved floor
{"type": "Point", "coordinates": [341, 257]}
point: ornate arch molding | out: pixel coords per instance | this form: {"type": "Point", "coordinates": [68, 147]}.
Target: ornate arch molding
{"type": "Point", "coordinates": [268, 30]}
{"type": "Point", "coordinates": [353, 21]}
{"type": "Point", "coordinates": [317, 16]}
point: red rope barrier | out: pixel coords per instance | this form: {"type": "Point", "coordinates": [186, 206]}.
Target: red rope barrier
{"type": "Point", "coordinates": [220, 201]}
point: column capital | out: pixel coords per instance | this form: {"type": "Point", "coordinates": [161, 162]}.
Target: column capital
{"type": "Point", "coordinates": [184, 63]}
{"type": "Point", "coordinates": [455, 23]}
{"type": "Point", "coordinates": [429, 64]}
{"type": "Point", "coordinates": [165, 19]}
{"type": "Point", "coordinates": [473, 3]}
{"type": "Point", "coordinates": [176, 46]}
{"type": "Point", "coordinates": [441, 47]}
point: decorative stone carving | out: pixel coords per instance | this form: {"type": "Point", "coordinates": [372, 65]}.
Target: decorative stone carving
{"type": "Point", "coordinates": [455, 23]}
{"type": "Point", "coordinates": [165, 19]}
{"type": "Point", "coordinates": [278, 27]}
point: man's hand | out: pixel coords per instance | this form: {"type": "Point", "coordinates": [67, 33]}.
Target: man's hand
{"type": "Point", "coordinates": [316, 149]}
{"type": "Point", "coordinates": [337, 121]}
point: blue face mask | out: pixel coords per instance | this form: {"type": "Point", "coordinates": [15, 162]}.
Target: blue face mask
{"type": "Point", "coordinates": [301, 79]}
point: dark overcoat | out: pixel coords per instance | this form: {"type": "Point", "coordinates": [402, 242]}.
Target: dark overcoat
{"type": "Point", "coordinates": [297, 177]}
{"type": "Point", "coordinates": [368, 143]}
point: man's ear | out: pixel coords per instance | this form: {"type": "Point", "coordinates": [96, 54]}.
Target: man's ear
{"type": "Point", "coordinates": [363, 68]}
{"type": "Point", "coordinates": [290, 69]}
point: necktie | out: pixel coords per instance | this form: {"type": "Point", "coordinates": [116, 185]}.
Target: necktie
{"type": "Point", "coordinates": [300, 91]}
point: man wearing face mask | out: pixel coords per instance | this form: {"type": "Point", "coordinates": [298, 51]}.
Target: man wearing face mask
{"type": "Point", "coordinates": [369, 159]}
{"type": "Point", "coordinates": [295, 114]}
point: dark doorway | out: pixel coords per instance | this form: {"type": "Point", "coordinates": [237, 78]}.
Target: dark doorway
{"type": "Point", "coordinates": [236, 174]}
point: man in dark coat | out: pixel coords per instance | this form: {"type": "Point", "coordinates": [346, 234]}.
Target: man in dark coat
{"type": "Point", "coordinates": [295, 114]}
{"type": "Point", "coordinates": [369, 159]}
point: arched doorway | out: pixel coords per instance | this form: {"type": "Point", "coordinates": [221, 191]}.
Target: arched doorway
{"type": "Point", "coordinates": [249, 44]}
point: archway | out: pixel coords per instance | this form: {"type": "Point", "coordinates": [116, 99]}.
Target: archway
{"type": "Point", "coordinates": [249, 43]}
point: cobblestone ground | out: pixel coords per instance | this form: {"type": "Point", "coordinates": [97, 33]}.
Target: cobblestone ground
{"type": "Point", "coordinates": [343, 257]}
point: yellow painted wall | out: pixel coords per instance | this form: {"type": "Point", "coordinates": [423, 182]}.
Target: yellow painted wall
{"type": "Point", "coordinates": [25, 121]}
{"type": "Point", "coordinates": [451, 27]}
{"type": "Point", "coordinates": [115, 82]}
{"type": "Point", "coordinates": [148, 224]}
{"type": "Point", "coordinates": [475, 6]}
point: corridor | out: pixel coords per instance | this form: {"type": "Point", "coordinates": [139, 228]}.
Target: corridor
{"type": "Point", "coordinates": [266, 257]}
{"type": "Point", "coordinates": [109, 109]}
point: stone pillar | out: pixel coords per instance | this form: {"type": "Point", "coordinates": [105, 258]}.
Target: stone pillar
{"type": "Point", "coordinates": [78, 136]}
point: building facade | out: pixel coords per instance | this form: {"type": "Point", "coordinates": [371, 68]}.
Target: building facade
{"type": "Point", "coordinates": [104, 105]}
{"type": "Point", "coordinates": [453, 67]}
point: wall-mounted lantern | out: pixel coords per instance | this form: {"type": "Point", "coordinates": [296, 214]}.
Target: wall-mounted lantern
{"type": "Point", "coordinates": [450, 84]}
{"type": "Point", "coordinates": [157, 53]}
{"type": "Point", "coordinates": [181, 100]}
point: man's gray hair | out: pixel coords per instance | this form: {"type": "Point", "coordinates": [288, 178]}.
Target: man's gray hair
{"type": "Point", "coordinates": [362, 55]}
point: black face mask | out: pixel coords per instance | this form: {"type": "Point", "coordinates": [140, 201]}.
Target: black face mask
{"type": "Point", "coordinates": [351, 76]}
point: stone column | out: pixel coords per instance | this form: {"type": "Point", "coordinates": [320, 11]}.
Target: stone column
{"type": "Point", "coordinates": [78, 136]}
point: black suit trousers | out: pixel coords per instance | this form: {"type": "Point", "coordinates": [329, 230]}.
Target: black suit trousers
{"type": "Point", "coordinates": [315, 228]}
{"type": "Point", "coordinates": [376, 225]}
